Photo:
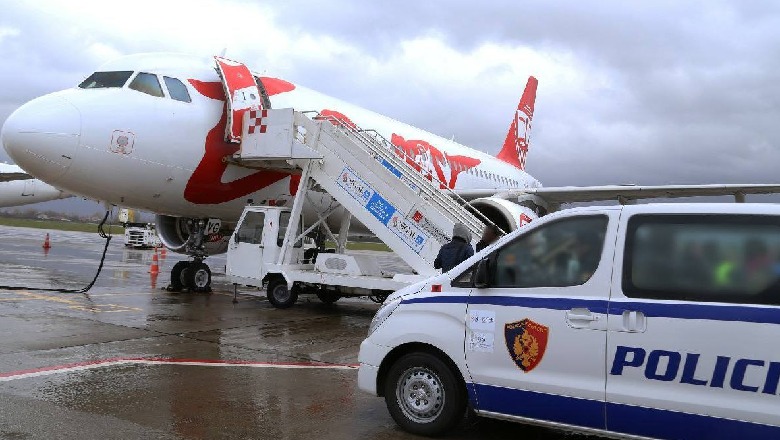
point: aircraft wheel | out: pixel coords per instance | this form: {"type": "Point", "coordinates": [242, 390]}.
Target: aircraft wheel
{"type": "Point", "coordinates": [197, 277]}
{"type": "Point", "coordinates": [177, 276]}
{"type": "Point", "coordinates": [279, 295]}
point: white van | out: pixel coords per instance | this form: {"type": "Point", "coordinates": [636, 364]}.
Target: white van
{"type": "Point", "coordinates": [658, 320]}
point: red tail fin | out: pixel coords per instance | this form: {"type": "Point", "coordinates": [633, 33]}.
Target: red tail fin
{"type": "Point", "coordinates": [516, 144]}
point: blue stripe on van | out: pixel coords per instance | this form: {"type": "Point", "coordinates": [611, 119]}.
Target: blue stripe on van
{"type": "Point", "coordinates": [650, 422]}
{"type": "Point", "coordinates": [715, 312]}
{"type": "Point", "coordinates": [550, 407]}
{"type": "Point", "coordinates": [625, 419]}
{"type": "Point", "coordinates": [597, 306]}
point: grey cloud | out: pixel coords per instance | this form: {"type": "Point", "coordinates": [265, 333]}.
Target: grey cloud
{"type": "Point", "coordinates": [690, 91]}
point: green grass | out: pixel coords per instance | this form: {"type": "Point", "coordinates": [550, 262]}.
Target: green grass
{"type": "Point", "coordinates": [57, 225]}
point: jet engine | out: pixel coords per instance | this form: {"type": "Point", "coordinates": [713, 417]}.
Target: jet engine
{"type": "Point", "coordinates": [506, 214]}
{"type": "Point", "coordinates": [175, 231]}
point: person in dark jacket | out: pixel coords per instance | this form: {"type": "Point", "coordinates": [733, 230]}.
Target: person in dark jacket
{"type": "Point", "coordinates": [489, 236]}
{"type": "Point", "coordinates": [456, 251]}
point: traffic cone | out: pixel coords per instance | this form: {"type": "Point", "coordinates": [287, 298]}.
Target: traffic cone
{"type": "Point", "coordinates": [163, 252]}
{"type": "Point", "coordinates": [153, 277]}
{"type": "Point", "coordinates": [155, 268]}
{"type": "Point", "coordinates": [46, 244]}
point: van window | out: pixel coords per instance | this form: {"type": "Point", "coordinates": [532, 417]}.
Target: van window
{"type": "Point", "coordinates": [712, 258]}
{"type": "Point", "coordinates": [147, 83]}
{"type": "Point", "coordinates": [251, 229]}
{"type": "Point", "coordinates": [563, 253]}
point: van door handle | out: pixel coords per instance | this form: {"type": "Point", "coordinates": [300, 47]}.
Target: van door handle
{"type": "Point", "coordinates": [634, 321]}
{"type": "Point", "coordinates": [582, 318]}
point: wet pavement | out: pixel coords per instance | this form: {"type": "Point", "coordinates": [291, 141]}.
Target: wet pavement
{"type": "Point", "coordinates": [130, 360]}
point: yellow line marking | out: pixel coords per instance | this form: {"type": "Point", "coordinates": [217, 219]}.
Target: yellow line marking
{"type": "Point", "coordinates": [78, 305]}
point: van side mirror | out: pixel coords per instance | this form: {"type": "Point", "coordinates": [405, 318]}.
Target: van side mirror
{"type": "Point", "coordinates": [482, 274]}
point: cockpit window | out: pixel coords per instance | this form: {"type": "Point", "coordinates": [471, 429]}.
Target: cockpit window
{"type": "Point", "coordinates": [101, 80]}
{"type": "Point", "coordinates": [147, 83]}
{"type": "Point", "coordinates": [177, 90]}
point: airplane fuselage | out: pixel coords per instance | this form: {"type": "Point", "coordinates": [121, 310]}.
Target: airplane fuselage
{"type": "Point", "coordinates": [164, 155]}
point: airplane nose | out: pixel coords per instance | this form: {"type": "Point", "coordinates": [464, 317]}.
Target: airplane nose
{"type": "Point", "coordinates": [42, 136]}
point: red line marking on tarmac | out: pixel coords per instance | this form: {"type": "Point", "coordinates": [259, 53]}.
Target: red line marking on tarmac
{"type": "Point", "coordinates": [81, 366]}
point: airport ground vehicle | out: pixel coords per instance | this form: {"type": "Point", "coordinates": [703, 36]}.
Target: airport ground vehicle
{"type": "Point", "coordinates": [657, 320]}
{"type": "Point", "coordinates": [141, 235]}
{"type": "Point", "coordinates": [368, 180]}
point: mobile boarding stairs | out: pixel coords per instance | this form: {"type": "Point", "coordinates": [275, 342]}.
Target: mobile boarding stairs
{"type": "Point", "coordinates": [372, 179]}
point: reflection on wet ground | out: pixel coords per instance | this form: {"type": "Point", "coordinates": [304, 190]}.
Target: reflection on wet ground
{"type": "Point", "coordinates": [54, 382]}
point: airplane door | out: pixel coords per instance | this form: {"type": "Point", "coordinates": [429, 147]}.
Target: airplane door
{"type": "Point", "coordinates": [241, 93]}
{"type": "Point", "coordinates": [29, 188]}
{"type": "Point", "coordinates": [245, 253]}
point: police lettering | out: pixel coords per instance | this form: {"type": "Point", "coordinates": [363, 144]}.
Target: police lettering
{"type": "Point", "coordinates": [668, 366]}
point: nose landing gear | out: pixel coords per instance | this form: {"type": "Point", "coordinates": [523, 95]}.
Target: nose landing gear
{"type": "Point", "coordinates": [195, 275]}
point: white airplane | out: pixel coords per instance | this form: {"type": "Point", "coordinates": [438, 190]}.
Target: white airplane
{"type": "Point", "coordinates": [152, 132]}
{"type": "Point", "coordinates": [19, 188]}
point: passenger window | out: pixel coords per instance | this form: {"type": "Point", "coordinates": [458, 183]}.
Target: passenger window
{"type": "Point", "coordinates": [102, 80]}
{"type": "Point", "coordinates": [284, 220]}
{"type": "Point", "coordinates": [147, 83]}
{"type": "Point", "coordinates": [564, 253]}
{"type": "Point", "coordinates": [465, 279]}
{"type": "Point", "coordinates": [713, 258]}
{"type": "Point", "coordinates": [251, 229]}
{"type": "Point", "coordinates": [177, 89]}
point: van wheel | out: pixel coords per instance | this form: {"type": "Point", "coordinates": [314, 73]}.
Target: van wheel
{"type": "Point", "coordinates": [279, 295]}
{"type": "Point", "coordinates": [423, 394]}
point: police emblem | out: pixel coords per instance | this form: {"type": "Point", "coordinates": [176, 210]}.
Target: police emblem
{"type": "Point", "coordinates": [526, 341]}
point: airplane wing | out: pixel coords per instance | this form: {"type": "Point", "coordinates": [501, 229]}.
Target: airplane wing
{"type": "Point", "coordinates": [625, 193]}
{"type": "Point", "coordinates": [10, 173]}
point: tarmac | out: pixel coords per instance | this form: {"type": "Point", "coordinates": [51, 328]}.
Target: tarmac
{"type": "Point", "coordinates": [130, 360]}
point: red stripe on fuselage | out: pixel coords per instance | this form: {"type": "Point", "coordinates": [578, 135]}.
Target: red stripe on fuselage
{"type": "Point", "coordinates": [205, 186]}
{"type": "Point", "coordinates": [413, 148]}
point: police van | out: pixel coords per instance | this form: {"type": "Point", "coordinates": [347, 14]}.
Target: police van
{"type": "Point", "coordinates": [652, 321]}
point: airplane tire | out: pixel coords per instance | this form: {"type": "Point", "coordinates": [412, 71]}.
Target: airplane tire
{"type": "Point", "coordinates": [197, 277]}
{"type": "Point", "coordinates": [177, 276]}
{"type": "Point", "coordinates": [279, 295]}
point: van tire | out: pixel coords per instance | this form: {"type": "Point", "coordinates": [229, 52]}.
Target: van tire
{"type": "Point", "coordinates": [279, 295]}
{"type": "Point", "coordinates": [423, 394]}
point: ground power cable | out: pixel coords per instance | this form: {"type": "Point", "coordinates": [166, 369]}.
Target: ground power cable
{"type": "Point", "coordinates": [84, 290]}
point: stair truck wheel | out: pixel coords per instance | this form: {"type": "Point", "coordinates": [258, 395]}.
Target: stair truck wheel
{"type": "Point", "coordinates": [279, 295]}
{"type": "Point", "coordinates": [328, 297]}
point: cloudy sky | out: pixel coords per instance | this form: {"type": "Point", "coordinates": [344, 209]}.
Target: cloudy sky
{"type": "Point", "coordinates": [644, 92]}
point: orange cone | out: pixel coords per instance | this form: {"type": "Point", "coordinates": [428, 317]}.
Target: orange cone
{"type": "Point", "coordinates": [163, 252]}
{"type": "Point", "coordinates": [155, 268]}
{"type": "Point", "coordinates": [46, 244]}
{"type": "Point", "coordinates": [153, 277]}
